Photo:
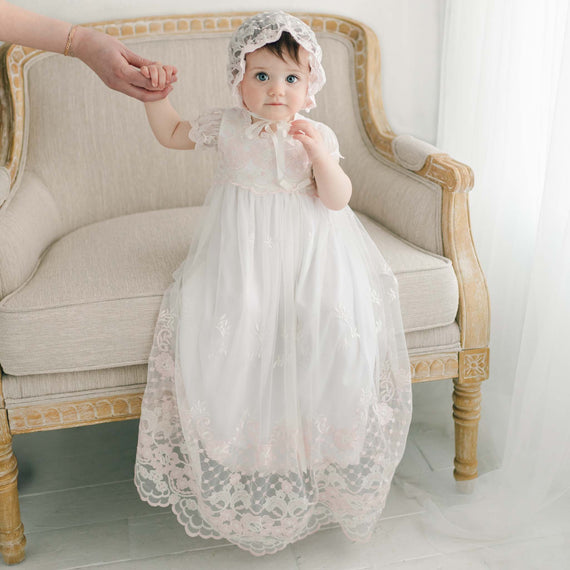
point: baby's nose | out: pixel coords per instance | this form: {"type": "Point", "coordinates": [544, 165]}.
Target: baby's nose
{"type": "Point", "coordinates": [277, 87]}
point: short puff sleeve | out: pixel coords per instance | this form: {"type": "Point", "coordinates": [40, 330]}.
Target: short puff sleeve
{"type": "Point", "coordinates": [205, 129]}
{"type": "Point", "coordinates": [330, 140]}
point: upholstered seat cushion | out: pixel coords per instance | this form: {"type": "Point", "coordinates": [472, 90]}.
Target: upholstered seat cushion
{"type": "Point", "coordinates": [93, 299]}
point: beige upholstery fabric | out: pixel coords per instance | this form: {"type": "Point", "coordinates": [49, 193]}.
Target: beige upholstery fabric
{"type": "Point", "coordinates": [94, 299]}
{"type": "Point", "coordinates": [411, 152]}
{"type": "Point", "coordinates": [428, 288]}
{"type": "Point", "coordinates": [49, 388]}
{"type": "Point", "coordinates": [116, 167]}
{"type": "Point", "coordinates": [29, 223]}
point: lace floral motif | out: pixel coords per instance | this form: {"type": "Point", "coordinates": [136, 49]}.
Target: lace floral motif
{"type": "Point", "coordinates": [162, 360]}
{"type": "Point", "coordinates": [375, 297]}
{"type": "Point", "coordinates": [205, 129]}
{"type": "Point", "coordinates": [263, 510]}
{"type": "Point", "coordinates": [262, 164]}
{"type": "Point", "coordinates": [258, 343]}
{"type": "Point", "coordinates": [322, 440]}
{"type": "Point", "coordinates": [263, 420]}
{"type": "Point", "coordinates": [224, 328]}
{"type": "Point", "coordinates": [351, 332]}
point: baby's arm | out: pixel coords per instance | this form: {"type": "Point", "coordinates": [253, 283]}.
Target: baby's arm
{"type": "Point", "coordinates": [333, 185]}
{"type": "Point", "coordinates": [168, 128]}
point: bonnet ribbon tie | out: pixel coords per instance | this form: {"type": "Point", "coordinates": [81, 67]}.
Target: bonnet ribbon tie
{"type": "Point", "coordinates": [278, 135]}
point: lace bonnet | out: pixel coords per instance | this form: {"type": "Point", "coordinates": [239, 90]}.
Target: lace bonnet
{"type": "Point", "coordinates": [266, 28]}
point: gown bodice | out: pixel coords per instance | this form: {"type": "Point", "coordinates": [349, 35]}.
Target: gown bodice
{"type": "Point", "coordinates": [254, 156]}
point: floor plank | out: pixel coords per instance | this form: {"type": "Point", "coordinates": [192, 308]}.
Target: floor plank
{"type": "Point", "coordinates": [81, 510]}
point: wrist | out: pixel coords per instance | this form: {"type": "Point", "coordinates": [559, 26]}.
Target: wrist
{"type": "Point", "coordinates": [320, 158]}
{"type": "Point", "coordinates": [164, 103]}
{"type": "Point", "coordinates": [78, 42]}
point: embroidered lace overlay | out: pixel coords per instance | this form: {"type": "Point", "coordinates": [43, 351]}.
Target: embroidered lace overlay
{"type": "Point", "coordinates": [205, 129]}
{"type": "Point", "coordinates": [278, 395]}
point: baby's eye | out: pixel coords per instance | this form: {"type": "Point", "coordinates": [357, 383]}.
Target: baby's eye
{"type": "Point", "coordinates": [292, 79]}
{"type": "Point", "coordinates": [262, 76]}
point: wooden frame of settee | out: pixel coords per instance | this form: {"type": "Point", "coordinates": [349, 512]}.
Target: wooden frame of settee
{"type": "Point", "coordinates": [468, 367]}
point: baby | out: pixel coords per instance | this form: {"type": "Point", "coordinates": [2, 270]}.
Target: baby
{"type": "Point", "coordinates": [278, 395]}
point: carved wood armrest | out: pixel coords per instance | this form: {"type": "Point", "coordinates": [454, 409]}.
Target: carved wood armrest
{"type": "Point", "coordinates": [456, 180]}
{"type": "Point", "coordinates": [431, 163]}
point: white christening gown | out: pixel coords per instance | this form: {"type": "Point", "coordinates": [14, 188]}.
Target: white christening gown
{"type": "Point", "coordinates": [278, 395]}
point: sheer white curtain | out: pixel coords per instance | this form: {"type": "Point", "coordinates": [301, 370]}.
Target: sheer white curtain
{"type": "Point", "coordinates": [505, 111]}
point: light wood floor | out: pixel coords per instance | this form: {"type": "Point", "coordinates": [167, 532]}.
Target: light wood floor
{"type": "Point", "coordinates": [80, 509]}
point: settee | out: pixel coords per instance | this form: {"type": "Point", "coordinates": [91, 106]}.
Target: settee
{"type": "Point", "coordinates": [95, 216]}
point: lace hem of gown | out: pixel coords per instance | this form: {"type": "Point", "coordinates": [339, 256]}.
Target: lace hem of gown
{"type": "Point", "coordinates": [262, 511]}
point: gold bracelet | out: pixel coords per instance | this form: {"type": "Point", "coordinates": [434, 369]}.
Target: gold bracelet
{"type": "Point", "coordinates": [68, 48]}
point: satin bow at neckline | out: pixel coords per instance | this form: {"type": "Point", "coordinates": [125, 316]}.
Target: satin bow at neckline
{"type": "Point", "coordinates": [262, 125]}
{"type": "Point", "coordinates": [281, 133]}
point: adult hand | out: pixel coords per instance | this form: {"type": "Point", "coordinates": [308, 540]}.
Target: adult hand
{"type": "Point", "coordinates": [116, 65]}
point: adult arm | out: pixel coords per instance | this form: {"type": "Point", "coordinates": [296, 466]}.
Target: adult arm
{"type": "Point", "coordinates": [110, 59]}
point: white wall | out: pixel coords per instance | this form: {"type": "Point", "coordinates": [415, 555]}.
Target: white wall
{"type": "Point", "coordinates": [410, 33]}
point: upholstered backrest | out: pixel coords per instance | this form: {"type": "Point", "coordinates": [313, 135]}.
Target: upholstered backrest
{"type": "Point", "coordinates": [94, 152]}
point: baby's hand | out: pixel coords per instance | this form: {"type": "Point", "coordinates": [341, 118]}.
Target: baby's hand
{"type": "Point", "coordinates": [160, 75]}
{"type": "Point", "coordinates": [309, 137]}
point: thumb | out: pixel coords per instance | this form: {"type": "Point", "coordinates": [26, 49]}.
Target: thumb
{"type": "Point", "coordinates": [136, 60]}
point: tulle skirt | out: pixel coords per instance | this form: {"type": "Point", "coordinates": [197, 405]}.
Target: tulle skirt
{"type": "Point", "coordinates": [278, 395]}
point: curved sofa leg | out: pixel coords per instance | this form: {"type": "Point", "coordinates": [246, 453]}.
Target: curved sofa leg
{"type": "Point", "coordinates": [12, 539]}
{"type": "Point", "coordinates": [473, 369]}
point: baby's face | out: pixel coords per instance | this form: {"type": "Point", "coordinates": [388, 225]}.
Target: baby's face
{"type": "Point", "coordinates": [273, 88]}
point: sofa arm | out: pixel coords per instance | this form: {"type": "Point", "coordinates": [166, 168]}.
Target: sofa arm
{"type": "Point", "coordinates": [389, 192]}
{"type": "Point", "coordinates": [29, 222]}
{"type": "Point", "coordinates": [5, 183]}
{"type": "Point", "coordinates": [448, 217]}
{"type": "Point", "coordinates": [412, 153]}
{"type": "Point", "coordinates": [456, 180]}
